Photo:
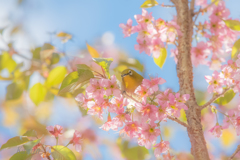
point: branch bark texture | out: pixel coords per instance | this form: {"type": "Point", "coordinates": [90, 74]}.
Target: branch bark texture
{"type": "Point", "coordinates": [185, 75]}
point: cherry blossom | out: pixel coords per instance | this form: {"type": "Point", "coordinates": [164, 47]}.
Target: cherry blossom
{"type": "Point", "coordinates": [77, 141]}
{"type": "Point", "coordinates": [216, 130]}
{"type": "Point", "coordinates": [55, 131]}
{"type": "Point", "coordinates": [161, 147]}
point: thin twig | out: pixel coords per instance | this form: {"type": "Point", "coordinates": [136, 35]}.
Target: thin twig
{"type": "Point", "coordinates": [203, 9]}
{"type": "Point", "coordinates": [215, 97]}
{"type": "Point", "coordinates": [34, 60]}
{"type": "Point", "coordinates": [44, 149]}
{"type": "Point", "coordinates": [236, 151]}
{"type": "Point", "coordinates": [178, 121]}
{"type": "Point", "coordinates": [166, 6]}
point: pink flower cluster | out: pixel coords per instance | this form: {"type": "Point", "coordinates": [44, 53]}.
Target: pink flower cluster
{"type": "Point", "coordinates": [228, 77]}
{"type": "Point", "coordinates": [232, 117]}
{"type": "Point", "coordinates": [153, 107]}
{"type": "Point", "coordinates": [220, 38]}
{"type": "Point", "coordinates": [152, 34]}
{"type": "Point", "coordinates": [156, 34]}
{"type": "Point", "coordinates": [57, 131]}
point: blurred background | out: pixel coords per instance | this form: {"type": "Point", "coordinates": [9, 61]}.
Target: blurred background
{"type": "Point", "coordinates": [26, 25]}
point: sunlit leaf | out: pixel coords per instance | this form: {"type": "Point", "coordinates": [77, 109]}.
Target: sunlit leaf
{"type": "Point", "coordinates": [14, 91]}
{"type": "Point", "coordinates": [228, 96]}
{"type": "Point", "coordinates": [6, 78]}
{"type": "Point", "coordinates": [37, 93]}
{"type": "Point", "coordinates": [7, 62]}
{"type": "Point", "coordinates": [93, 52]}
{"type": "Point", "coordinates": [83, 67]}
{"type": "Point", "coordinates": [162, 58]}
{"type": "Point", "coordinates": [56, 76]}
{"type": "Point", "coordinates": [21, 156]}
{"type": "Point", "coordinates": [69, 79]}
{"type": "Point", "coordinates": [200, 97]}
{"type": "Point", "coordinates": [136, 153]}
{"type": "Point", "coordinates": [36, 53]}
{"type": "Point", "coordinates": [10, 116]}
{"type": "Point", "coordinates": [30, 133]}
{"type": "Point", "coordinates": [15, 30]}
{"type": "Point", "coordinates": [215, 2]}
{"type": "Point", "coordinates": [118, 70]}
{"type": "Point", "coordinates": [149, 3]}
{"type": "Point", "coordinates": [64, 36]}
{"type": "Point", "coordinates": [76, 80]}
{"type": "Point", "coordinates": [134, 63]}
{"type": "Point", "coordinates": [47, 50]}
{"type": "Point", "coordinates": [14, 142]}
{"type": "Point", "coordinates": [104, 63]}
{"type": "Point", "coordinates": [183, 115]}
{"type": "Point", "coordinates": [167, 131]}
{"type": "Point", "coordinates": [1, 30]}
{"type": "Point", "coordinates": [233, 24]}
{"type": "Point", "coordinates": [132, 153]}
{"type": "Point", "coordinates": [62, 153]}
{"type": "Point", "coordinates": [29, 145]}
{"type": "Point", "coordinates": [228, 137]}
{"type": "Point", "coordinates": [83, 111]}
{"type": "Point", "coordinates": [235, 49]}
{"type": "Point", "coordinates": [55, 58]}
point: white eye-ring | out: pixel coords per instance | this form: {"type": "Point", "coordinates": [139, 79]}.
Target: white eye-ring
{"type": "Point", "coordinates": [130, 72]}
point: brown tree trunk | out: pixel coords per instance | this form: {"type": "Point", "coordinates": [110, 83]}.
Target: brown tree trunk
{"type": "Point", "coordinates": [185, 75]}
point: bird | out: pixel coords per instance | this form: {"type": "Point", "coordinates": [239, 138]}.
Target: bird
{"type": "Point", "coordinates": [130, 81]}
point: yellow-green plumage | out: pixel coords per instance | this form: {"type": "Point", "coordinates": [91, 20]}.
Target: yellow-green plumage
{"type": "Point", "coordinates": [130, 80]}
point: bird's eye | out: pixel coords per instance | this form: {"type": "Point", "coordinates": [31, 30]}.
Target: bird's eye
{"type": "Point", "coordinates": [130, 72]}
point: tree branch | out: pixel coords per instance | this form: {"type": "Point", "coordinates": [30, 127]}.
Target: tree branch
{"type": "Point", "coordinates": [185, 75]}
{"type": "Point", "coordinates": [236, 151]}
{"type": "Point", "coordinates": [178, 121]}
{"type": "Point", "coordinates": [215, 97]}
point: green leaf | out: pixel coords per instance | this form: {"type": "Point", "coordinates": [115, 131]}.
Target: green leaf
{"type": "Point", "coordinates": [62, 153]}
{"type": "Point", "coordinates": [149, 4]}
{"type": "Point", "coordinates": [133, 153]}
{"type": "Point", "coordinates": [29, 145]}
{"type": "Point", "coordinates": [64, 36]}
{"type": "Point", "coordinates": [93, 52]}
{"type": "Point", "coordinates": [36, 53]}
{"type": "Point", "coordinates": [37, 93]}
{"type": "Point", "coordinates": [233, 24]}
{"type": "Point", "coordinates": [83, 67]}
{"type": "Point", "coordinates": [162, 58]}
{"type": "Point", "coordinates": [104, 63]}
{"type": "Point", "coordinates": [68, 80]}
{"type": "Point", "coordinates": [228, 96]}
{"type": "Point", "coordinates": [55, 58]}
{"type": "Point", "coordinates": [30, 133]}
{"type": "Point", "coordinates": [47, 50]}
{"type": "Point", "coordinates": [14, 91]}
{"type": "Point", "coordinates": [56, 76]}
{"type": "Point", "coordinates": [14, 142]}
{"type": "Point", "coordinates": [21, 156]}
{"type": "Point", "coordinates": [215, 2]}
{"type": "Point", "coordinates": [134, 63]}
{"type": "Point", "coordinates": [83, 111]}
{"type": "Point", "coordinates": [74, 81]}
{"type": "Point", "coordinates": [7, 62]}
{"type": "Point", "coordinates": [235, 49]}
{"type": "Point", "coordinates": [136, 153]}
